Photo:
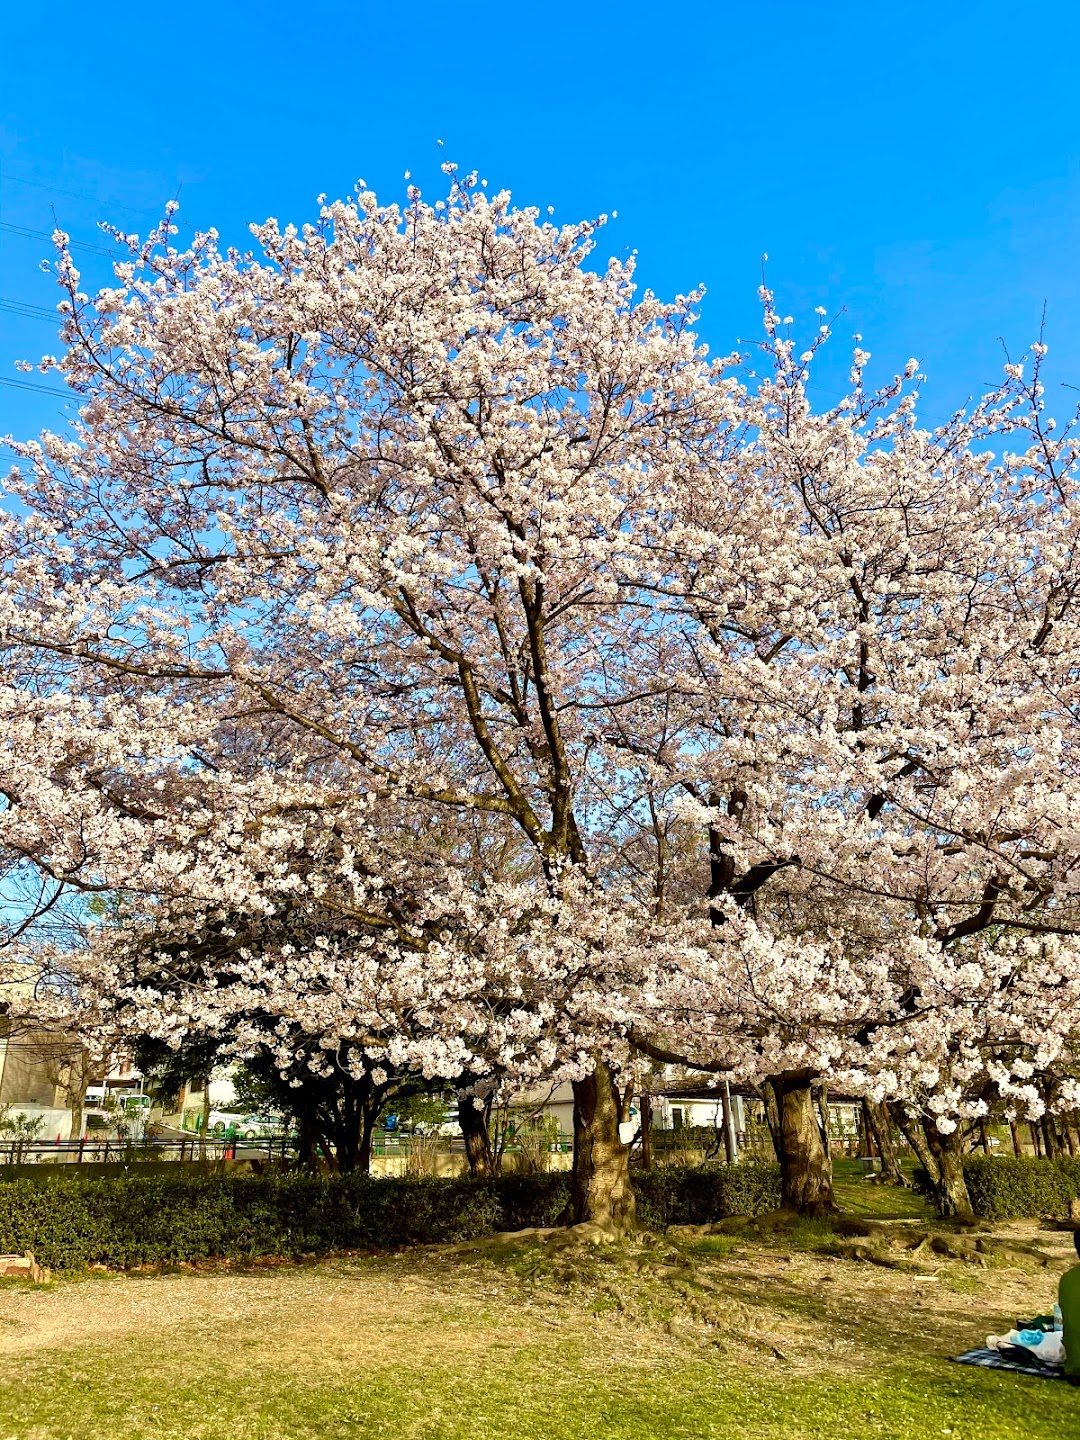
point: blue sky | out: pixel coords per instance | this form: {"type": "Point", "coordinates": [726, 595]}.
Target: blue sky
{"type": "Point", "coordinates": [918, 165]}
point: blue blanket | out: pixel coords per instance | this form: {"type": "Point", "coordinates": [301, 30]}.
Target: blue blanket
{"type": "Point", "coordinates": [1011, 1357]}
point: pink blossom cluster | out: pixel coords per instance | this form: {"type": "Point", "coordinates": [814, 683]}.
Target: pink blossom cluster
{"type": "Point", "coordinates": [421, 643]}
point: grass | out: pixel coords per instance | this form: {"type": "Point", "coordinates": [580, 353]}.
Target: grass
{"type": "Point", "coordinates": [713, 1338]}
{"type": "Point", "coordinates": [530, 1393]}
{"type": "Point", "coordinates": [857, 1194]}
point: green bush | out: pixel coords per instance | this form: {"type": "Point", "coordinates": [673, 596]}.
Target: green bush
{"type": "Point", "coordinates": [672, 1195]}
{"type": "Point", "coordinates": [122, 1221]}
{"type": "Point", "coordinates": [1011, 1187]}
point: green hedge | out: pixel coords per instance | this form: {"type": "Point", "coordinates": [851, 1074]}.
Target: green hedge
{"type": "Point", "coordinates": [1011, 1187]}
{"type": "Point", "coordinates": [129, 1220]}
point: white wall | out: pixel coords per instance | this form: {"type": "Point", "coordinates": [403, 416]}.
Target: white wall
{"type": "Point", "coordinates": [57, 1120]}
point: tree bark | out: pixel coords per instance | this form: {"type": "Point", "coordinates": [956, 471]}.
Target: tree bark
{"type": "Point", "coordinates": [76, 1098]}
{"type": "Point", "coordinates": [805, 1164]}
{"type": "Point", "coordinates": [205, 1117]}
{"type": "Point", "coordinates": [1036, 1139]}
{"type": "Point", "coordinates": [646, 1132]}
{"type": "Point", "coordinates": [984, 1136]}
{"type": "Point", "coordinates": [306, 1156]}
{"type": "Point", "coordinates": [869, 1144]}
{"type": "Point", "coordinates": [915, 1135]}
{"type": "Point", "coordinates": [601, 1179]}
{"type": "Point", "coordinates": [367, 1130]}
{"type": "Point", "coordinates": [1018, 1149]}
{"type": "Point", "coordinates": [729, 1127]}
{"type": "Point", "coordinates": [1050, 1141]}
{"type": "Point", "coordinates": [474, 1130]}
{"type": "Point", "coordinates": [876, 1118]}
{"type": "Point", "coordinates": [772, 1118]}
{"type": "Point", "coordinates": [950, 1188]}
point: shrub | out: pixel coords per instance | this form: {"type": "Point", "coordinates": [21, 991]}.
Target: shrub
{"type": "Point", "coordinates": [121, 1221]}
{"type": "Point", "coordinates": [1010, 1187]}
{"type": "Point", "coordinates": [676, 1196]}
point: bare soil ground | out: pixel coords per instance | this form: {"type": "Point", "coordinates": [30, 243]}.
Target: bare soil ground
{"type": "Point", "coordinates": [666, 1326]}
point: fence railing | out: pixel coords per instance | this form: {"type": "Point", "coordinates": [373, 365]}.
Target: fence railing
{"type": "Point", "coordinates": [94, 1149]}
{"type": "Point", "coordinates": [117, 1150]}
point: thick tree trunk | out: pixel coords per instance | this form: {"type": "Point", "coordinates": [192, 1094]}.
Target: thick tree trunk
{"type": "Point", "coordinates": [805, 1165]}
{"type": "Point", "coordinates": [876, 1117]}
{"type": "Point", "coordinates": [1018, 1149]}
{"type": "Point", "coordinates": [601, 1180]}
{"type": "Point", "coordinates": [950, 1188]}
{"type": "Point", "coordinates": [474, 1130]}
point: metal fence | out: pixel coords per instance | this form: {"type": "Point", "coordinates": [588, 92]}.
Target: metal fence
{"type": "Point", "coordinates": [113, 1150]}
{"type": "Point", "coordinates": [91, 1149]}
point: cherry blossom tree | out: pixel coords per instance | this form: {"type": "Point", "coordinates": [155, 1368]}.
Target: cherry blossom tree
{"type": "Point", "coordinates": [424, 604]}
{"type": "Point", "coordinates": [371, 491]}
{"type": "Point", "coordinates": [880, 738]}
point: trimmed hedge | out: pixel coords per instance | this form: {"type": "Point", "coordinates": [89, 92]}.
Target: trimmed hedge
{"type": "Point", "coordinates": [131, 1220]}
{"type": "Point", "coordinates": [1012, 1187]}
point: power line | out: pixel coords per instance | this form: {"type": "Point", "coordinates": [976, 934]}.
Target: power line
{"type": "Point", "coordinates": [31, 312]}
{"type": "Point", "coordinates": [28, 234]}
{"type": "Point", "coordinates": [41, 389]}
{"type": "Point", "coordinates": [9, 179]}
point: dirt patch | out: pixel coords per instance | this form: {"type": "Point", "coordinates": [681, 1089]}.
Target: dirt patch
{"type": "Point", "coordinates": [781, 1300]}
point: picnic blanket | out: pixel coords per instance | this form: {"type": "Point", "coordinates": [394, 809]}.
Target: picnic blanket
{"type": "Point", "coordinates": [1012, 1357]}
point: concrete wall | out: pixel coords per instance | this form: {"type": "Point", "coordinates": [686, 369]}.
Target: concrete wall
{"type": "Point", "coordinates": [25, 1078]}
{"type": "Point", "coordinates": [451, 1165]}
{"type": "Point", "coordinates": [57, 1121]}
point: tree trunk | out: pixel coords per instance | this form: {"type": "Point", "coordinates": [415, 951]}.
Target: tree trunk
{"type": "Point", "coordinates": [914, 1133]}
{"type": "Point", "coordinates": [75, 1105]}
{"type": "Point", "coordinates": [876, 1117]}
{"type": "Point", "coordinates": [805, 1165]}
{"type": "Point", "coordinates": [821, 1096]}
{"type": "Point", "coordinates": [205, 1117]}
{"type": "Point", "coordinates": [1036, 1139]}
{"type": "Point", "coordinates": [984, 1136]}
{"type": "Point", "coordinates": [869, 1145]}
{"type": "Point", "coordinates": [646, 1132]}
{"type": "Point", "coordinates": [772, 1118]}
{"type": "Point", "coordinates": [474, 1130]}
{"type": "Point", "coordinates": [306, 1137]}
{"type": "Point", "coordinates": [1070, 1139]}
{"type": "Point", "coordinates": [601, 1179]}
{"type": "Point", "coordinates": [1018, 1149]}
{"type": "Point", "coordinates": [950, 1188]}
{"type": "Point", "coordinates": [1050, 1142]}
{"type": "Point", "coordinates": [729, 1127]}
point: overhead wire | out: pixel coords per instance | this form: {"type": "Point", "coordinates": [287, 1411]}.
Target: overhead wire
{"type": "Point", "coordinates": [8, 179]}
{"type": "Point", "coordinates": [31, 312]}
{"type": "Point", "coordinates": [41, 389]}
{"type": "Point", "coordinates": [27, 234]}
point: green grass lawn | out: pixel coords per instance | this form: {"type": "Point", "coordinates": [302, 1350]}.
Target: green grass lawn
{"type": "Point", "coordinates": [858, 1194]}
{"type": "Point", "coordinates": [552, 1389]}
{"type": "Point", "coordinates": [738, 1338]}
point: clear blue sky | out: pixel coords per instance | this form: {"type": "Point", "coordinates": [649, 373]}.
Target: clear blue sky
{"type": "Point", "coordinates": [918, 164]}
